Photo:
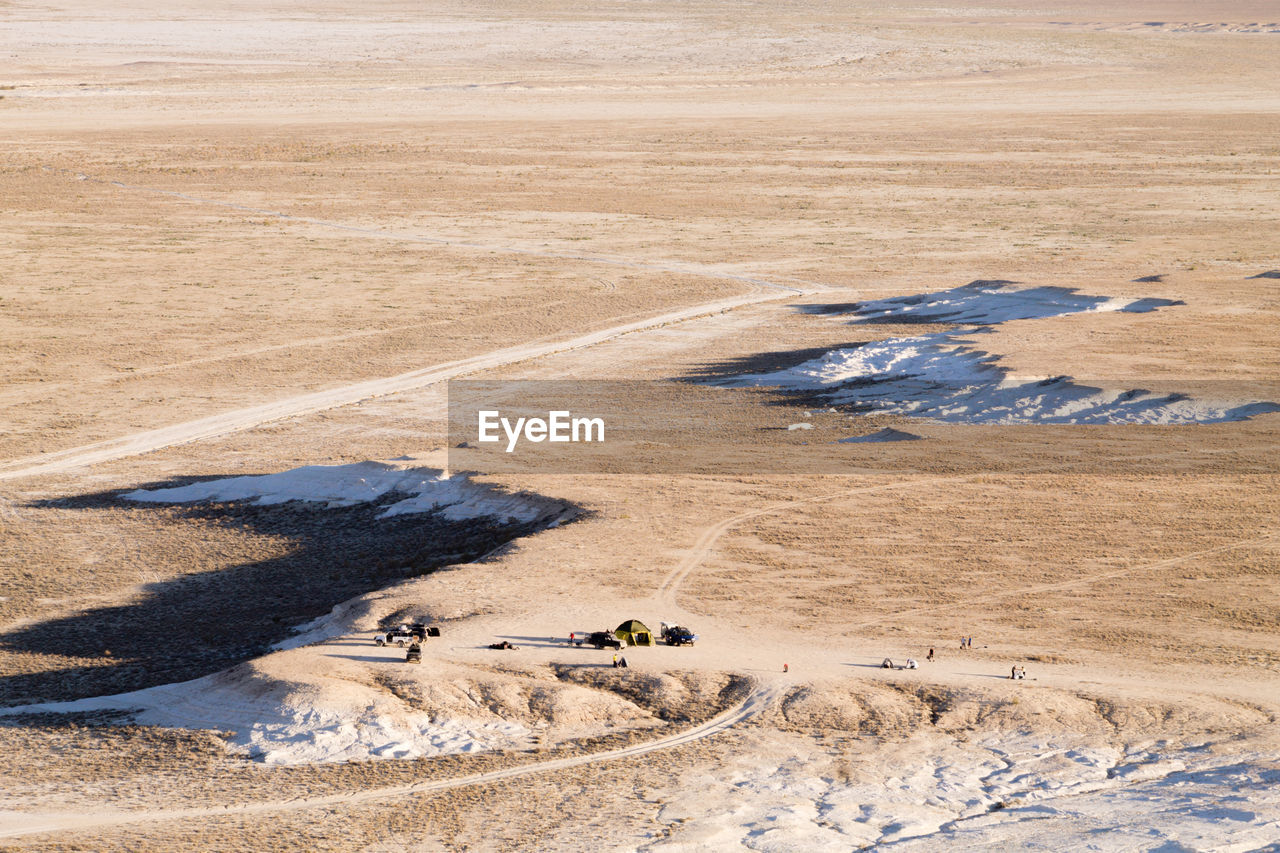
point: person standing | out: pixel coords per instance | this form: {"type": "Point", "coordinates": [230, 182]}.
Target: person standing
{"type": "Point", "coordinates": [930, 656]}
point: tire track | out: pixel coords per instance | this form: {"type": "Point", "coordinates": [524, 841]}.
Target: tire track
{"type": "Point", "coordinates": [240, 420]}
{"type": "Point", "coordinates": [704, 544]}
{"type": "Point", "coordinates": [305, 404]}
{"type": "Point", "coordinates": [17, 824]}
{"type": "Point", "coordinates": [49, 389]}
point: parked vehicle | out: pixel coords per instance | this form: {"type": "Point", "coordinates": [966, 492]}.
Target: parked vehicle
{"type": "Point", "coordinates": [406, 633]}
{"type": "Point", "coordinates": [677, 635]}
{"type": "Point", "coordinates": [604, 639]}
{"type": "Point", "coordinates": [401, 636]}
{"type": "Point", "coordinates": [414, 655]}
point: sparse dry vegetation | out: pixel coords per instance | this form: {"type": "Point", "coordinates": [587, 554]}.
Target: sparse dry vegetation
{"type": "Point", "coordinates": [200, 219]}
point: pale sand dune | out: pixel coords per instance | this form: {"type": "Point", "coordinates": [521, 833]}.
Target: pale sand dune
{"type": "Point", "coordinates": [244, 246]}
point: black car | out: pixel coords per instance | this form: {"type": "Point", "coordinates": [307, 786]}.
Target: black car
{"type": "Point", "coordinates": [604, 639]}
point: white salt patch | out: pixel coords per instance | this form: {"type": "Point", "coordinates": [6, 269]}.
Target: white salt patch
{"type": "Point", "coordinates": [941, 377]}
{"type": "Point", "coordinates": [278, 723]}
{"type": "Point", "coordinates": [1013, 791]}
{"type": "Point", "coordinates": [992, 302]}
{"type": "Point", "coordinates": [428, 490]}
{"type": "Point", "coordinates": [318, 738]}
{"type": "Point", "coordinates": [338, 621]}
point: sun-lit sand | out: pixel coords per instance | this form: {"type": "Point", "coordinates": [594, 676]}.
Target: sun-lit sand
{"type": "Point", "coordinates": [988, 295]}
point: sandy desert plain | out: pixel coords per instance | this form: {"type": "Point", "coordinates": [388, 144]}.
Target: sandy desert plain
{"type": "Point", "coordinates": [259, 240]}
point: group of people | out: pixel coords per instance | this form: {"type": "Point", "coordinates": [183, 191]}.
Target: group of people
{"type": "Point", "coordinates": [619, 662]}
{"type": "Point", "coordinates": [888, 663]}
{"type": "Point", "coordinates": [1019, 671]}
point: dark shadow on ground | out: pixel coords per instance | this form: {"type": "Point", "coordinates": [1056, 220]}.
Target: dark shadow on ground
{"type": "Point", "coordinates": [388, 658]}
{"type": "Point", "coordinates": [543, 641]}
{"type": "Point", "coordinates": [760, 362]}
{"type": "Point", "coordinates": [200, 623]}
{"type": "Point", "coordinates": [557, 643]}
{"type": "Point", "coordinates": [963, 306]}
{"type": "Point", "coordinates": [726, 371]}
{"type": "Point", "coordinates": [837, 308]}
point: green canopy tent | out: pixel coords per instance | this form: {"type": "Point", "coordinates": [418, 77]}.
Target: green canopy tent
{"type": "Point", "coordinates": [634, 633]}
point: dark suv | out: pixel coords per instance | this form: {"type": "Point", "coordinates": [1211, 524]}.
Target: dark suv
{"type": "Point", "coordinates": [604, 639]}
{"type": "Point", "coordinates": [677, 635]}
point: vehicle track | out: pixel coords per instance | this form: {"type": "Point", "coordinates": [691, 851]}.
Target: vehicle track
{"type": "Point", "coordinates": [240, 420]}
{"type": "Point", "coordinates": [704, 544]}
{"type": "Point", "coordinates": [16, 824]}
{"type": "Point", "coordinates": [304, 404]}
{"type": "Point", "coordinates": [7, 396]}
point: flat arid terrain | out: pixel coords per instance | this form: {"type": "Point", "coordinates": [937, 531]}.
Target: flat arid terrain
{"type": "Point", "coordinates": [934, 345]}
